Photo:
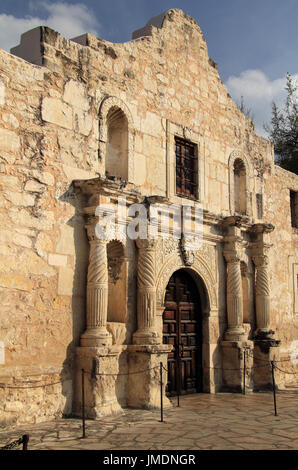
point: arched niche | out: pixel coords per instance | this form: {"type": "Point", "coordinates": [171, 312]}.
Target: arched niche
{"type": "Point", "coordinates": [116, 139]}
{"type": "Point", "coordinates": [240, 193]}
{"type": "Point", "coordinates": [117, 292]}
{"type": "Point", "coordinates": [240, 176]}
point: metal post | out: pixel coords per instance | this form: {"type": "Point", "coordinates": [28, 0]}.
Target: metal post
{"type": "Point", "coordinates": [161, 394]}
{"type": "Point", "coordinates": [179, 375]}
{"type": "Point", "coordinates": [25, 441]}
{"type": "Point", "coordinates": [178, 383]}
{"type": "Point", "coordinates": [273, 384]}
{"type": "Point", "coordinates": [244, 370]}
{"type": "Point", "coordinates": [83, 403]}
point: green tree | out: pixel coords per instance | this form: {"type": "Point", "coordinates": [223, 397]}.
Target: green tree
{"type": "Point", "coordinates": [283, 131]}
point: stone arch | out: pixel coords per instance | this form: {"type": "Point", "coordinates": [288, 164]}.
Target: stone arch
{"type": "Point", "coordinates": [198, 270]}
{"type": "Point", "coordinates": [205, 284]}
{"type": "Point", "coordinates": [238, 163]}
{"type": "Point", "coordinates": [114, 112]}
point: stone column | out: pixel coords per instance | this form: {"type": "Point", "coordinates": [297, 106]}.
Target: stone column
{"type": "Point", "coordinates": [262, 295]}
{"type": "Point", "coordinates": [96, 333]}
{"type": "Point", "coordinates": [235, 329]}
{"type": "Point", "coordinates": [266, 348]}
{"type": "Point", "coordinates": [233, 243]}
{"type": "Point", "coordinates": [146, 301]}
{"type": "Point", "coordinates": [235, 339]}
{"type": "Point", "coordinates": [260, 251]}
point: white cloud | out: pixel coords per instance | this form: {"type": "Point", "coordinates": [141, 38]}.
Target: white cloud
{"type": "Point", "coordinates": [258, 93]}
{"type": "Point", "coordinates": [68, 19]}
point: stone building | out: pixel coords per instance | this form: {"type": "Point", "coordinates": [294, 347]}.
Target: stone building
{"type": "Point", "coordinates": [89, 129]}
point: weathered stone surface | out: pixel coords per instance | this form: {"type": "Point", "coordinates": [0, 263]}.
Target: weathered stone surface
{"type": "Point", "coordinates": [2, 93]}
{"type": "Point", "coordinates": [9, 141]}
{"type": "Point", "coordinates": [74, 94]}
{"type": "Point", "coordinates": [63, 121]}
{"type": "Point", "coordinates": [57, 260]}
{"type": "Point", "coordinates": [56, 112]}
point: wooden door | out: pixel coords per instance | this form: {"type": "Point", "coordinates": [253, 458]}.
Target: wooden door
{"type": "Point", "coordinates": [182, 329]}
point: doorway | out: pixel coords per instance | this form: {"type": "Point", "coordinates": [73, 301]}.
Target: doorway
{"type": "Point", "coordinates": [182, 328]}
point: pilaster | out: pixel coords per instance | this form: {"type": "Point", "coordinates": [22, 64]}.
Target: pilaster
{"type": "Point", "coordinates": [146, 301]}
{"type": "Point", "coordinates": [232, 249]}
{"type": "Point", "coordinates": [266, 348]}
{"type": "Point", "coordinates": [96, 333]}
{"type": "Point", "coordinates": [260, 252]}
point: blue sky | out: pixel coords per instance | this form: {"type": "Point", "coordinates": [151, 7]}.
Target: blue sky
{"type": "Point", "coordinates": [255, 43]}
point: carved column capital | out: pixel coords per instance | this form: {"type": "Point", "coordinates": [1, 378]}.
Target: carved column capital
{"type": "Point", "coordinates": [262, 228]}
{"type": "Point", "coordinates": [260, 260]}
{"type": "Point", "coordinates": [232, 256]}
{"type": "Point", "coordinates": [146, 243]}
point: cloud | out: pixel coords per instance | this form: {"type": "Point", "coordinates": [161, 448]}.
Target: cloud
{"type": "Point", "coordinates": [258, 93]}
{"type": "Point", "coordinates": [68, 19]}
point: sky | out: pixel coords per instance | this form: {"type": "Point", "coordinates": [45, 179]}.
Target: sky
{"type": "Point", "coordinates": [254, 43]}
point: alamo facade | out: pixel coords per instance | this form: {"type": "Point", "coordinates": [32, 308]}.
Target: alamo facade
{"type": "Point", "coordinates": [84, 124]}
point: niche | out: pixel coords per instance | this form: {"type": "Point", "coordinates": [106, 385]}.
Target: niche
{"type": "Point", "coordinates": [117, 144]}
{"type": "Point", "coordinates": [239, 186]}
{"type": "Point", "coordinates": [117, 299]}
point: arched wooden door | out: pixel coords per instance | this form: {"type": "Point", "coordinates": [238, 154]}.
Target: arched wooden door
{"type": "Point", "coordinates": [182, 327]}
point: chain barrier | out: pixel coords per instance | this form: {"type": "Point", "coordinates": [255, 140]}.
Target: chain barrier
{"type": "Point", "coordinates": [250, 354]}
{"type": "Point", "coordinates": [124, 373]}
{"type": "Point", "coordinates": [12, 387]}
{"type": "Point", "coordinates": [23, 440]}
{"type": "Point", "coordinates": [285, 371]}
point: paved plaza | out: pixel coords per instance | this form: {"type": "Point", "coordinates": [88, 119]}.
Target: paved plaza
{"type": "Point", "coordinates": [210, 422]}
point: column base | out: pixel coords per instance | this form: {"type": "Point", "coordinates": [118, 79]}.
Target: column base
{"type": "Point", "coordinates": [146, 337]}
{"type": "Point", "coordinates": [235, 334]}
{"type": "Point", "coordinates": [96, 338]}
{"type": "Point", "coordinates": [233, 366]}
{"type": "Point", "coordinates": [265, 351]}
{"type": "Point", "coordinates": [104, 394]}
{"type": "Point", "coordinates": [144, 388]}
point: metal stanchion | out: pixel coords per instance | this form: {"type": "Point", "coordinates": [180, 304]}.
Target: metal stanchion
{"type": "Point", "coordinates": [83, 403]}
{"type": "Point", "coordinates": [273, 385]}
{"type": "Point", "coordinates": [161, 394]}
{"type": "Point", "coordinates": [180, 353]}
{"type": "Point", "coordinates": [25, 441]}
{"type": "Point", "coordinates": [244, 370]}
{"type": "Point", "coordinates": [178, 383]}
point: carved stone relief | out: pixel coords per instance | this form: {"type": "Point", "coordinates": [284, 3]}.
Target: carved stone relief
{"type": "Point", "coordinates": [173, 263]}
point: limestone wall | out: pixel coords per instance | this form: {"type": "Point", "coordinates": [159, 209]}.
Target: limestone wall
{"type": "Point", "coordinates": [283, 261]}
{"type": "Point", "coordinates": [52, 132]}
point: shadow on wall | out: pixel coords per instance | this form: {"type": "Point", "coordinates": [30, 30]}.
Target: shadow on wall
{"type": "Point", "coordinates": [80, 267]}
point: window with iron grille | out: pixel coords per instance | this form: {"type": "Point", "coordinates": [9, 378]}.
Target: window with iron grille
{"type": "Point", "coordinates": [186, 168]}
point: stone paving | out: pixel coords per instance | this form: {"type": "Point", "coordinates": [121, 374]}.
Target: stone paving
{"type": "Point", "coordinates": [203, 421]}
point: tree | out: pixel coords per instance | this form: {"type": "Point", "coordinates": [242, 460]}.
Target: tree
{"type": "Point", "coordinates": [245, 110]}
{"type": "Point", "coordinates": [283, 132]}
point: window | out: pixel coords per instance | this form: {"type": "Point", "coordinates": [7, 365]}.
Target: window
{"type": "Point", "coordinates": [186, 168]}
{"type": "Point", "coordinates": [294, 208]}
